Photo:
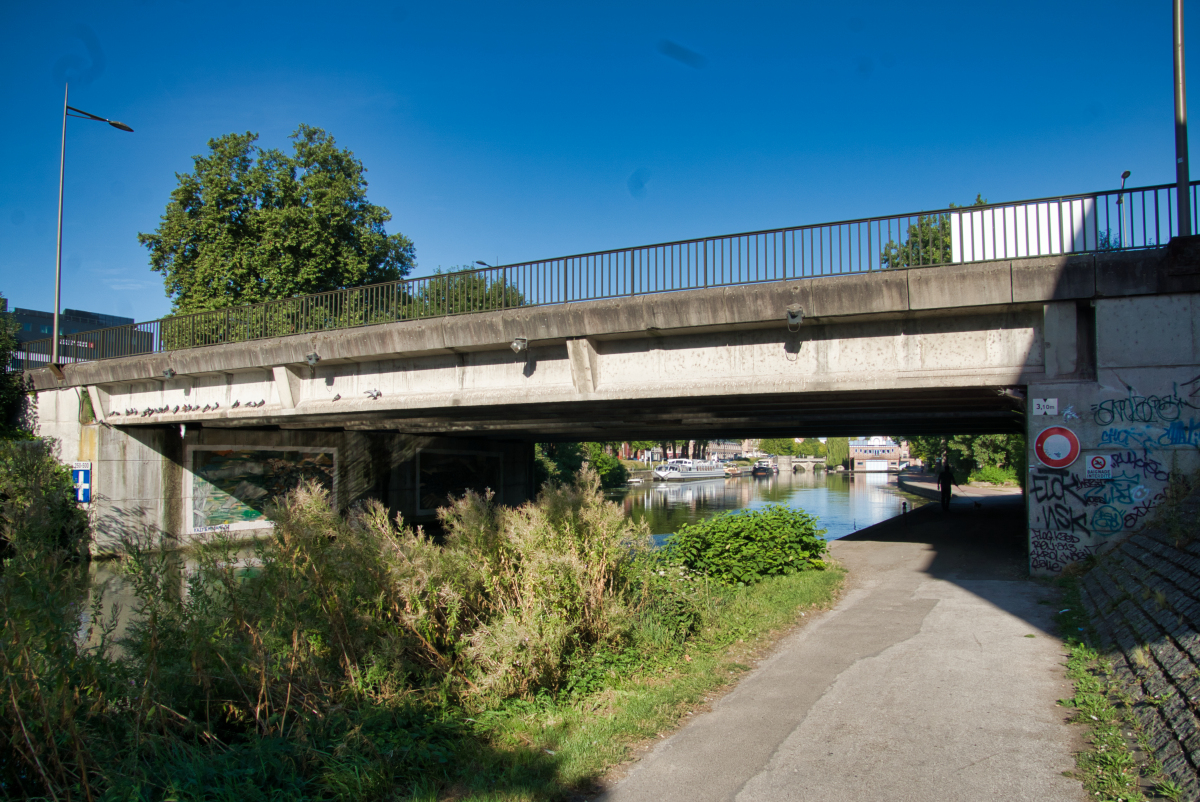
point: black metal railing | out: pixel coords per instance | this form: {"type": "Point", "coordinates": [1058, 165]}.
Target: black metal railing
{"type": "Point", "coordinates": [1092, 222]}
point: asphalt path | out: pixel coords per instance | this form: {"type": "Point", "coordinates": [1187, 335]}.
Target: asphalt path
{"type": "Point", "coordinates": [922, 683]}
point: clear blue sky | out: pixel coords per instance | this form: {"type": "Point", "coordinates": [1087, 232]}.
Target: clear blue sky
{"type": "Point", "coordinates": [509, 132]}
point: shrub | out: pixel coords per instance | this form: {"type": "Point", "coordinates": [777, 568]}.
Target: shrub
{"type": "Point", "coordinates": [994, 475]}
{"type": "Point", "coordinates": [741, 548]}
{"type": "Point", "coordinates": [611, 471]}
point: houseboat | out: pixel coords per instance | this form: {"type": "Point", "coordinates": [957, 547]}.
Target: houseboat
{"type": "Point", "coordinates": [682, 470]}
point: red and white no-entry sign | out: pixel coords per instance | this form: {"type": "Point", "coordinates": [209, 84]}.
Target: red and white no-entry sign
{"type": "Point", "coordinates": [1056, 447]}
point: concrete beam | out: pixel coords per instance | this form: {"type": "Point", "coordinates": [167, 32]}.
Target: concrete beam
{"type": "Point", "coordinates": [1060, 338]}
{"type": "Point", "coordinates": [984, 284]}
{"type": "Point", "coordinates": [739, 308]}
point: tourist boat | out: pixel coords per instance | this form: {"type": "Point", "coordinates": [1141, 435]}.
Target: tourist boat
{"type": "Point", "coordinates": [682, 470]}
{"type": "Point", "coordinates": [733, 470]}
{"type": "Point", "coordinates": [763, 468]}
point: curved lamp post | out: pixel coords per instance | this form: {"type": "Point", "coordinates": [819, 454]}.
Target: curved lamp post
{"type": "Point", "coordinates": [67, 112]}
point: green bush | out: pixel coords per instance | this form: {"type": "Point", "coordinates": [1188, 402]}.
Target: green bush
{"type": "Point", "coordinates": [741, 548]}
{"type": "Point", "coordinates": [609, 468]}
{"type": "Point", "coordinates": [994, 474]}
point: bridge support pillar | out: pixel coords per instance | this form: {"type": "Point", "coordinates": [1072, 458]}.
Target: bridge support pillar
{"type": "Point", "coordinates": [1104, 443]}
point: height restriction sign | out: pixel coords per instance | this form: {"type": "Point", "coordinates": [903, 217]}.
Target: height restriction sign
{"type": "Point", "coordinates": [1056, 447]}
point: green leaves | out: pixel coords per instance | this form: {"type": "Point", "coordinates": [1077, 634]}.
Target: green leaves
{"type": "Point", "coordinates": [251, 225]}
{"type": "Point", "coordinates": [742, 548]}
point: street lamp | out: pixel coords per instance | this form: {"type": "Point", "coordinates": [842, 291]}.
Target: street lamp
{"type": "Point", "coordinates": [1121, 214]}
{"type": "Point", "coordinates": [62, 162]}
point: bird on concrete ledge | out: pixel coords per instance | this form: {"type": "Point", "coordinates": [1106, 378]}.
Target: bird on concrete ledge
{"type": "Point", "coordinates": [373, 393]}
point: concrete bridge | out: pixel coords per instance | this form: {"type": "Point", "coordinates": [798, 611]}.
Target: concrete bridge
{"type": "Point", "coordinates": [1103, 345]}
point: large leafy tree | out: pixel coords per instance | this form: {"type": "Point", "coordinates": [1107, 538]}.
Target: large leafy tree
{"type": "Point", "coordinates": [251, 224]}
{"type": "Point", "coordinates": [786, 446]}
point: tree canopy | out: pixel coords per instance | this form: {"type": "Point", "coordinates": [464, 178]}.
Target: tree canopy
{"type": "Point", "coordinates": [929, 241]}
{"type": "Point", "coordinates": [252, 224]}
{"type": "Point", "coordinates": [837, 452]}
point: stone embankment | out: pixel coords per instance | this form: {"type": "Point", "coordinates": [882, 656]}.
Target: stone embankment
{"type": "Point", "coordinates": [1143, 598]}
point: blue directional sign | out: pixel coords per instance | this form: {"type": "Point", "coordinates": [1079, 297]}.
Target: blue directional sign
{"type": "Point", "coordinates": [81, 475]}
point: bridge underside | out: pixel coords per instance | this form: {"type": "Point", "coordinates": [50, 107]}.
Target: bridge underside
{"type": "Point", "coordinates": [971, 410]}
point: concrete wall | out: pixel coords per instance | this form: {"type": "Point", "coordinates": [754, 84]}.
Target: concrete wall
{"type": "Point", "coordinates": [1139, 420]}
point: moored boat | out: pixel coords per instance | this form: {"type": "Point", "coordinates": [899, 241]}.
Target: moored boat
{"type": "Point", "coordinates": [763, 468]}
{"type": "Point", "coordinates": [682, 470]}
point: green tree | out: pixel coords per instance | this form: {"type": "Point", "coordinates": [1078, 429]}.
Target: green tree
{"type": "Point", "coordinates": [557, 462]}
{"type": "Point", "coordinates": [611, 471]}
{"type": "Point", "coordinates": [454, 293]}
{"type": "Point", "coordinates": [837, 451]}
{"type": "Point", "coordinates": [928, 242]}
{"type": "Point", "coordinates": [811, 447]}
{"type": "Point", "coordinates": [250, 225]}
{"type": "Point", "coordinates": [780, 445]}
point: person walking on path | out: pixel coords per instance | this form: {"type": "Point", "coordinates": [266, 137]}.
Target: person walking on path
{"type": "Point", "coordinates": [945, 479]}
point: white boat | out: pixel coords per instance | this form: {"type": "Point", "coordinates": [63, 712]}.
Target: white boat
{"type": "Point", "coordinates": [682, 470]}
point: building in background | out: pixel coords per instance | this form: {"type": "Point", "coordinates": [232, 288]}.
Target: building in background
{"type": "Point", "coordinates": [37, 325]}
{"type": "Point", "coordinates": [877, 454]}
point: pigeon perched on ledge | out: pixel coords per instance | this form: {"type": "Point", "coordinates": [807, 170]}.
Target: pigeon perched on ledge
{"type": "Point", "coordinates": [373, 394]}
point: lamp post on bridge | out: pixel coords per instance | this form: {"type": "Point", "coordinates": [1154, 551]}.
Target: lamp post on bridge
{"type": "Point", "coordinates": [1182, 176]}
{"type": "Point", "coordinates": [62, 162]}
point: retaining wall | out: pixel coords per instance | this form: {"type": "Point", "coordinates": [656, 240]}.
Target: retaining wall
{"type": "Point", "coordinates": [1143, 598]}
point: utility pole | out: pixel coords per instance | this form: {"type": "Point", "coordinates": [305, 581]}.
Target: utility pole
{"type": "Point", "coordinates": [1182, 175]}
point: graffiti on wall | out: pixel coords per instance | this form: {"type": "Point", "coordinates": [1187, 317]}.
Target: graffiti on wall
{"type": "Point", "coordinates": [231, 488]}
{"type": "Point", "coordinates": [1154, 409]}
{"type": "Point", "coordinates": [1074, 510]}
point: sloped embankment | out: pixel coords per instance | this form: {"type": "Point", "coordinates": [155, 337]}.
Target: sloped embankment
{"type": "Point", "coordinates": [1143, 599]}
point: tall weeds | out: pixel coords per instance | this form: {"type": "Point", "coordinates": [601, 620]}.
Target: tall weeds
{"type": "Point", "coordinates": [326, 656]}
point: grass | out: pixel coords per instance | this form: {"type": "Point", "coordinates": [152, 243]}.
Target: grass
{"type": "Point", "coordinates": [519, 657]}
{"type": "Point", "coordinates": [1109, 768]}
{"type": "Point", "coordinates": [546, 747]}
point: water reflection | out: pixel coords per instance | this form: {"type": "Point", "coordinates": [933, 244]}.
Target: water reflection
{"type": "Point", "coordinates": [844, 502]}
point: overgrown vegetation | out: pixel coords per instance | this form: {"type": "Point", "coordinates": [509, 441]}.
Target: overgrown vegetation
{"type": "Point", "coordinates": [354, 658]}
{"type": "Point", "coordinates": [558, 462]}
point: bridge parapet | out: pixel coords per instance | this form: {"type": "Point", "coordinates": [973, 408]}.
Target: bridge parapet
{"type": "Point", "coordinates": [1058, 226]}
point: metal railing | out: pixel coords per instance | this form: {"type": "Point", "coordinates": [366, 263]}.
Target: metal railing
{"type": "Point", "coordinates": [1087, 223]}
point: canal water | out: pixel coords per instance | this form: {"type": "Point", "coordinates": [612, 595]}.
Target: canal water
{"type": "Point", "coordinates": [844, 502]}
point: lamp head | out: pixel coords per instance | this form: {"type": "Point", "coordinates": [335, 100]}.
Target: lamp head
{"type": "Point", "coordinates": [1124, 175]}
{"type": "Point", "coordinates": [482, 264]}
{"type": "Point", "coordinates": [169, 373]}
{"type": "Point", "coordinates": [312, 359]}
{"type": "Point", "coordinates": [120, 125]}
{"type": "Point", "coordinates": [519, 344]}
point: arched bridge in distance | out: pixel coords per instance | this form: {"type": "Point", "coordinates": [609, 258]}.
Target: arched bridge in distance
{"type": "Point", "coordinates": [1075, 320]}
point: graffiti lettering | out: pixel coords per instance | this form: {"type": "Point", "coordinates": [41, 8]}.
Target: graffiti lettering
{"type": "Point", "coordinates": [1143, 509]}
{"type": "Point", "coordinates": [1062, 517]}
{"type": "Point", "coordinates": [1130, 438]}
{"type": "Point", "coordinates": [1179, 433]}
{"type": "Point", "coordinates": [1148, 466]}
{"type": "Point", "coordinates": [1050, 484]}
{"type": "Point", "coordinates": [1141, 408]}
{"type": "Point", "coordinates": [1107, 520]}
{"type": "Point", "coordinates": [1053, 550]}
